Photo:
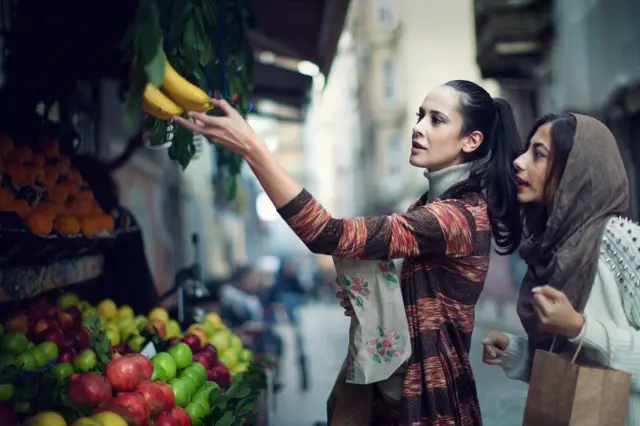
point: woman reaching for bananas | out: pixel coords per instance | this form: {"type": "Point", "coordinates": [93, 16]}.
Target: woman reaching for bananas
{"type": "Point", "coordinates": [467, 140]}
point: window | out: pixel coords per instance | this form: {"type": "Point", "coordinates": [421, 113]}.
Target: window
{"type": "Point", "coordinates": [386, 12]}
{"type": "Point", "coordinates": [395, 158]}
{"type": "Point", "coordinates": [389, 86]}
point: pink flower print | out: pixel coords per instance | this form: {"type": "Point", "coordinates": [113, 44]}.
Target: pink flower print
{"type": "Point", "coordinates": [352, 296]}
{"type": "Point", "coordinates": [387, 343]}
{"type": "Point", "coordinates": [381, 352]}
{"type": "Point", "coordinates": [357, 281]}
{"type": "Point", "coordinates": [384, 268]}
{"type": "Point", "coordinates": [365, 292]}
{"type": "Point", "coordinates": [357, 288]}
{"type": "Point", "coordinates": [371, 350]}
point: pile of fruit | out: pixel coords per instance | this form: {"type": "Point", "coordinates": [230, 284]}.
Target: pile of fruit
{"type": "Point", "coordinates": [81, 363]}
{"type": "Point", "coordinates": [47, 192]}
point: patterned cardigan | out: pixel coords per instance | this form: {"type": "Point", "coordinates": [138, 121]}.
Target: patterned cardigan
{"type": "Point", "coordinates": [446, 246]}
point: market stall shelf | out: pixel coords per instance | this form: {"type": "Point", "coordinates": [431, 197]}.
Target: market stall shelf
{"type": "Point", "coordinates": [18, 283]}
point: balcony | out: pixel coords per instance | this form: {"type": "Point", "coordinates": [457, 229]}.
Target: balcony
{"type": "Point", "coordinates": [512, 36]}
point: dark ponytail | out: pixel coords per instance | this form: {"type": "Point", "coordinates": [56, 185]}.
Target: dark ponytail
{"type": "Point", "coordinates": [494, 159]}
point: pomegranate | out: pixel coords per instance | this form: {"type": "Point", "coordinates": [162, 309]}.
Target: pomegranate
{"type": "Point", "coordinates": [166, 419]}
{"type": "Point", "coordinates": [182, 416]}
{"type": "Point", "coordinates": [154, 396]}
{"type": "Point", "coordinates": [136, 405]}
{"type": "Point", "coordinates": [124, 373]}
{"type": "Point", "coordinates": [89, 388]}
{"type": "Point", "coordinates": [144, 364]}
{"type": "Point", "coordinates": [169, 397]}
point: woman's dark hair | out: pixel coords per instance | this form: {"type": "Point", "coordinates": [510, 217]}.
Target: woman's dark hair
{"type": "Point", "coordinates": [563, 132]}
{"type": "Point", "coordinates": [495, 155]}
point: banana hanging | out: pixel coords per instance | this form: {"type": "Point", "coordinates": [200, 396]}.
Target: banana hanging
{"type": "Point", "coordinates": [156, 104]}
{"type": "Point", "coordinates": [182, 92]}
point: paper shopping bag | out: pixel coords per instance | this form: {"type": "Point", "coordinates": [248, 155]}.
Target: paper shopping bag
{"type": "Point", "coordinates": [349, 404]}
{"type": "Point", "coordinates": [379, 341]}
{"type": "Point", "coordinates": [562, 393]}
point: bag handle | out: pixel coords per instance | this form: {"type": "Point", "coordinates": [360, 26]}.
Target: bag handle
{"type": "Point", "coordinates": [581, 343]}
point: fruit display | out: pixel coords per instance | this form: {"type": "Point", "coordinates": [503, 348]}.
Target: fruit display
{"type": "Point", "coordinates": [41, 186]}
{"type": "Point", "coordinates": [69, 362]}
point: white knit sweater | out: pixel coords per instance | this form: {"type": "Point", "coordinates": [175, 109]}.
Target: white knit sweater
{"type": "Point", "coordinates": [613, 309]}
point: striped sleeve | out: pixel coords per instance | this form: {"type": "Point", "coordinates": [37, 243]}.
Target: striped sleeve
{"type": "Point", "coordinates": [444, 228]}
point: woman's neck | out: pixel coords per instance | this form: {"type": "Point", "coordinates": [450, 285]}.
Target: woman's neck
{"type": "Point", "coordinates": [441, 180]}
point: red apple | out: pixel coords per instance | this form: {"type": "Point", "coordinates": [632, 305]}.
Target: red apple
{"type": "Point", "coordinates": [193, 341]}
{"type": "Point", "coordinates": [221, 375]}
{"type": "Point", "coordinates": [76, 314]}
{"type": "Point", "coordinates": [41, 325]}
{"type": "Point", "coordinates": [37, 304]}
{"type": "Point", "coordinates": [82, 338]}
{"type": "Point", "coordinates": [69, 341]}
{"type": "Point", "coordinates": [159, 326]}
{"type": "Point", "coordinates": [67, 355]}
{"type": "Point", "coordinates": [182, 416]}
{"type": "Point", "coordinates": [64, 320]}
{"type": "Point", "coordinates": [51, 312]}
{"type": "Point", "coordinates": [212, 353]}
{"type": "Point", "coordinates": [173, 341]}
{"type": "Point", "coordinates": [203, 359]}
{"type": "Point", "coordinates": [17, 323]}
{"type": "Point", "coordinates": [53, 334]}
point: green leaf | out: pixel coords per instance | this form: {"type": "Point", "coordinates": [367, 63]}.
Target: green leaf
{"type": "Point", "coordinates": [155, 67]}
{"type": "Point", "coordinates": [238, 392]}
{"type": "Point", "coordinates": [227, 419]}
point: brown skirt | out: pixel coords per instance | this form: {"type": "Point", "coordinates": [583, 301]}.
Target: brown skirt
{"type": "Point", "coordinates": [383, 413]}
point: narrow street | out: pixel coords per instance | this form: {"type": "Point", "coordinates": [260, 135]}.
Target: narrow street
{"type": "Point", "coordinates": [325, 341]}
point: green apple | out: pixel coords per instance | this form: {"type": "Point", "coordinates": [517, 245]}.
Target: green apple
{"type": "Point", "coordinates": [14, 343]}
{"type": "Point", "coordinates": [63, 370]}
{"type": "Point", "coordinates": [191, 384]}
{"type": "Point", "coordinates": [165, 361]}
{"type": "Point", "coordinates": [67, 300]}
{"type": "Point", "coordinates": [180, 392]}
{"type": "Point", "coordinates": [199, 371]}
{"type": "Point", "coordinates": [50, 349]}
{"type": "Point", "coordinates": [208, 328]}
{"type": "Point", "coordinates": [202, 397]}
{"type": "Point", "coordinates": [173, 329]}
{"type": "Point", "coordinates": [221, 341]}
{"type": "Point", "coordinates": [193, 375]}
{"type": "Point", "coordinates": [235, 342]}
{"type": "Point", "coordinates": [6, 391]}
{"type": "Point", "coordinates": [159, 373]}
{"type": "Point", "coordinates": [135, 343]}
{"type": "Point", "coordinates": [196, 412]}
{"type": "Point", "coordinates": [27, 361]}
{"type": "Point", "coordinates": [85, 361]}
{"type": "Point", "coordinates": [181, 354]}
{"type": "Point", "coordinates": [40, 356]}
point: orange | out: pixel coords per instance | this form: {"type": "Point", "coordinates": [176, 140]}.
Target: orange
{"type": "Point", "coordinates": [67, 225]}
{"type": "Point", "coordinates": [6, 197]}
{"type": "Point", "coordinates": [19, 206]}
{"type": "Point", "coordinates": [16, 172]}
{"type": "Point", "coordinates": [51, 173]}
{"type": "Point", "coordinates": [59, 193]}
{"type": "Point", "coordinates": [39, 223]}
{"type": "Point", "coordinates": [6, 143]}
{"type": "Point", "coordinates": [38, 159]}
{"type": "Point", "coordinates": [50, 147]}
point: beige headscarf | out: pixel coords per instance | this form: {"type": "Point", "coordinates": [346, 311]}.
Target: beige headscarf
{"type": "Point", "coordinates": [593, 188]}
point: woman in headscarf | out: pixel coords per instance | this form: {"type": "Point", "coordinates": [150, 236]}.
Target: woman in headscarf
{"type": "Point", "coordinates": [582, 282]}
{"type": "Point", "coordinates": [467, 140]}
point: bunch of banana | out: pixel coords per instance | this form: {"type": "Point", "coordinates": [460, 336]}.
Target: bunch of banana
{"type": "Point", "coordinates": [174, 96]}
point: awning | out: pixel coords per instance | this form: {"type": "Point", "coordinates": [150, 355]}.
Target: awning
{"type": "Point", "coordinates": [302, 29]}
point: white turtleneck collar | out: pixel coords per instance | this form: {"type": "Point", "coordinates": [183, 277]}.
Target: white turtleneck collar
{"type": "Point", "coordinates": [440, 181]}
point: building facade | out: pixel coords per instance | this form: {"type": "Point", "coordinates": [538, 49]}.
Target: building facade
{"type": "Point", "coordinates": [404, 48]}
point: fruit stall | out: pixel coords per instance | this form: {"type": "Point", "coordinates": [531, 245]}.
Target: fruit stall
{"type": "Point", "coordinates": [68, 357]}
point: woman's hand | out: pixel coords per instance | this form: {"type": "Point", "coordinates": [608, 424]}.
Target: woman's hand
{"type": "Point", "coordinates": [345, 302]}
{"type": "Point", "coordinates": [230, 131]}
{"type": "Point", "coordinates": [494, 346]}
{"type": "Point", "coordinates": [555, 312]}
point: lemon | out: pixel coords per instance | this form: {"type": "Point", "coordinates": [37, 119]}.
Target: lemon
{"type": "Point", "coordinates": [47, 418]}
{"type": "Point", "coordinates": [125, 312]}
{"type": "Point", "coordinates": [107, 309]}
{"type": "Point", "coordinates": [107, 418]}
{"type": "Point", "coordinates": [158, 313]}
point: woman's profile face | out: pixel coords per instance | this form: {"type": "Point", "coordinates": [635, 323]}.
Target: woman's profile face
{"type": "Point", "coordinates": [532, 167]}
{"type": "Point", "coordinates": [436, 142]}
